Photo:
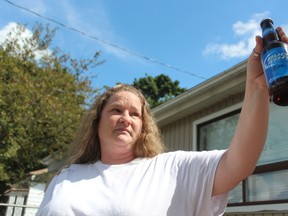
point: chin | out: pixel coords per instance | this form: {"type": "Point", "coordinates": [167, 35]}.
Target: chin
{"type": "Point", "coordinates": [124, 143]}
{"type": "Point", "coordinates": [124, 140]}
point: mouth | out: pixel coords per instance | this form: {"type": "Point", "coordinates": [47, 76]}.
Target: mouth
{"type": "Point", "coordinates": [123, 130]}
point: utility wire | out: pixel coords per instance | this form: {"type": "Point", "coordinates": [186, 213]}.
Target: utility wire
{"type": "Point", "coordinates": [106, 42]}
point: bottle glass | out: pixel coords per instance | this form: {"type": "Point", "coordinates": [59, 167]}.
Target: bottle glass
{"type": "Point", "coordinates": [274, 58]}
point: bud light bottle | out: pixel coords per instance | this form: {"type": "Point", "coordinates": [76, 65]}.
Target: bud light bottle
{"type": "Point", "coordinates": [274, 58]}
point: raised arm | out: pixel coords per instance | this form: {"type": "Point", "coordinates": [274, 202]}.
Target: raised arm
{"type": "Point", "coordinates": [240, 159]}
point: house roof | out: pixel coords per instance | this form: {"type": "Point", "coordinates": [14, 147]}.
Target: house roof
{"type": "Point", "coordinates": [211, 91]}
{"type": "Point", "coordinates": [16, 190]}
{"type": "Point", "coordinates": [38, 172]}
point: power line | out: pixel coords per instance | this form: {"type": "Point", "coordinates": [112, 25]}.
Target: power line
{"type": "Point", "coordinates": [106, 42]}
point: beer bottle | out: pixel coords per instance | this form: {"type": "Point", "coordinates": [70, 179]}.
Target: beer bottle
{"type": "Point", "coordinates": [274, 58]}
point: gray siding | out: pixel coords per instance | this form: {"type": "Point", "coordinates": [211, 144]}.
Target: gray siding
{"type": "Point", "coordinates": [179, 134]}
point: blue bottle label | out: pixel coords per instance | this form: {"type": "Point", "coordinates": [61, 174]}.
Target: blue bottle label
{"type": "Point", "coordinates": [275, 64]}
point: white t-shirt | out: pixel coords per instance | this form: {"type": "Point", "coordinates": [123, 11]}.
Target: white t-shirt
{"type": "Point", "coordinates": [175, 184]}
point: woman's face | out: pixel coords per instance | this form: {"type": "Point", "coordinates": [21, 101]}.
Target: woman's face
{"type": "Point", "coordinates": [120, 124]}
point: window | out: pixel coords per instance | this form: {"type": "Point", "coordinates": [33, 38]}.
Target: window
{"type": "Point", "coordinates": [268, 184]}
{"type": "Point", "coordinates": [16, 201]}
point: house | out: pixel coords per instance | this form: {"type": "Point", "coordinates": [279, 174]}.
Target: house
{"type": "Point", "coordinates": [205, 117]}
{"type": "Point", "coordinates": [25, 197]}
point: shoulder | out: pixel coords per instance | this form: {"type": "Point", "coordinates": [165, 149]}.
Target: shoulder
{"type": "Point", "coordinates": [191, 158]}
{"type": "Point", "coordinates": [76, 172]}
{"type": "Point", "coordinates": [182, 155]}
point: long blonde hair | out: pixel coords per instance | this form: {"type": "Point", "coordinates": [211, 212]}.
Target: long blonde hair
{"type": "Point", "coordinates": [86, 148]}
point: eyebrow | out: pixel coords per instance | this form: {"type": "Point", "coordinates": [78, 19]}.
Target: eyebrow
{"type": "Point", "coordinates": [117, 104]}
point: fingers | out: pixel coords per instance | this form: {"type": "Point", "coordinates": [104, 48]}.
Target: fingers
{"type": "Point", "coordinates": [282, 34]}
{"type": "Point", "coordinates": [256, 52]}
{"type": "Point", "coordinates": [259, 46]}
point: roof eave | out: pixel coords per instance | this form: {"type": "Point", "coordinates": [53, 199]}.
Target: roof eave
{"type": "Point", "coordinates": [211, 91]}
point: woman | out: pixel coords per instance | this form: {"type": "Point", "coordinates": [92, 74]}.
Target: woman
{"type": "Point", "coordinates": [117, 166]}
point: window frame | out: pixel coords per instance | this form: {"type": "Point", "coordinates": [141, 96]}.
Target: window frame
{"type": "Point", "coordinates": [272, 167]}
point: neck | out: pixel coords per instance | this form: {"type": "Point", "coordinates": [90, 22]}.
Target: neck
{"type": "Point", "coordinates": [117, 158]}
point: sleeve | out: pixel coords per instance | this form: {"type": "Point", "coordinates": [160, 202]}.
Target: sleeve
{"type": "Point", "coordinates": [196, 174]}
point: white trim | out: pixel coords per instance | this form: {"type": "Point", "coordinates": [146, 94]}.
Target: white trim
{"type": "Point", "coordinates": [209, 117]}
{"type": "Point", "coordinates": [257, 208]}
{"type": "Point", "coordinates": [18, 205]}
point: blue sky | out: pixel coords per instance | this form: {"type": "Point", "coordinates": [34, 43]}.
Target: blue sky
{"type": "Point", "coordinates": [199, 38]}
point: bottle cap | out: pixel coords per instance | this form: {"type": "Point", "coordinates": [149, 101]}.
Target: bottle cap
{"type": "Point", "coordinates": [266, 21]}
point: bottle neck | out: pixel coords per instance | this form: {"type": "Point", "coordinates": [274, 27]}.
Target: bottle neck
{"type": "Point", "coordinates": [269, 34]}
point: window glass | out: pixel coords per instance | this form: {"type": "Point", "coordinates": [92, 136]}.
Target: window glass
{"type": "Point", "coordinates": [235, 196]}
{"type": "Point", "coordinates": [276, 147]}
{"type": "Point", "coordinates": [267, 186]}
{"type": "Point", "coordinates": [217, 134]}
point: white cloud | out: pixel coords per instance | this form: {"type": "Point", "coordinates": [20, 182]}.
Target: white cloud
{"type": "Point", "coordinates": [240, 28]}
{"type": "Point", "coordinates": [93, 20]}
{"type": "Point", "coordinates": [5, 30]}
{"type": "Point", "coordinates": [246, 31]}
{"type": "Point", "coordinates": [9, 32]}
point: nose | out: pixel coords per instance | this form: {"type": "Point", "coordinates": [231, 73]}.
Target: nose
{"type": "Point", "coordinates": [125, 119]}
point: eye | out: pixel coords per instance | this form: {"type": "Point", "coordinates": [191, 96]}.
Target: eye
{"type": "Point", "coordinates": [115, 110]}
{"type": "Point", "coordinates": [135, 114]}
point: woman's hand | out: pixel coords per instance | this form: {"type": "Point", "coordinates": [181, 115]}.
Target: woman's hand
{"type": "Point", "coordinates": [282, 35]}
{"type": "Point", "coordinates": [255, 73]}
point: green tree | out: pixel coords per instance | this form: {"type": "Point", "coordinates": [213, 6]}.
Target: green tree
{"type": "Point", "coordinates": [43, 93]}
{"type": "Point", "coordinates": [158, 89]}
